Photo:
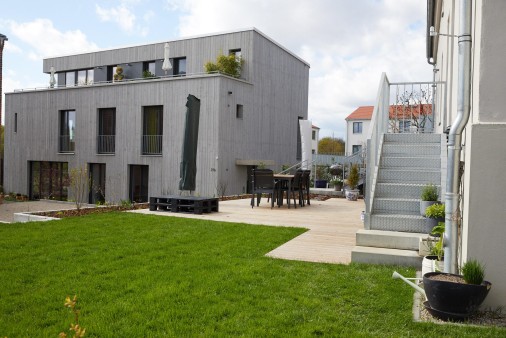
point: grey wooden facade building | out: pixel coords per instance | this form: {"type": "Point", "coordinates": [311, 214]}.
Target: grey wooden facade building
{"type": "Point", "coordinates": [129, 133]}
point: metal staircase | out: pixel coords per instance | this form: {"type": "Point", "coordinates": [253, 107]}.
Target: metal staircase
{"type": "Point", "coordinates": [407, 162]}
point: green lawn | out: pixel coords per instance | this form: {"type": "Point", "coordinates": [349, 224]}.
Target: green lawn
{"type": "Point", "coordinates": [149, 276]}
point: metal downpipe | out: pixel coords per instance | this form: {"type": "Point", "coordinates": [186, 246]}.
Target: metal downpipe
{"type": "Point", "coordinates": [452, 219]}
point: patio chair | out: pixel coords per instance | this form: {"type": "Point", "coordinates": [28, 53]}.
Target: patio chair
{"type": "Point", "coordinates": [262, 183]}
{"type": "Point", "coordinates": [292, 188]}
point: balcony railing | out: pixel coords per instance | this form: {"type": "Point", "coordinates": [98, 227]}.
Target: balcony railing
{"type": "Point", "coordinates": [152, 144]}
{"type": "Point", "coordinates": [67, 144]}
{"type": "Point", "coordinates": [106, 144]}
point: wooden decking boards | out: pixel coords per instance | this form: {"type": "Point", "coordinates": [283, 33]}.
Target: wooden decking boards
{"type": "Point", "coordinates": [331, 225]}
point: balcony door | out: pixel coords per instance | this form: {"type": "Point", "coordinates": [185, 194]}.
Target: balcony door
{"type": "Point", "coordinates": [139, 175]}
{"type": "Point", "coordinates": [97, 180]}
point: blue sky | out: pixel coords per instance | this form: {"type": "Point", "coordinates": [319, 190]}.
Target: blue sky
{"type": "Point", "coordinates": [348, 43]}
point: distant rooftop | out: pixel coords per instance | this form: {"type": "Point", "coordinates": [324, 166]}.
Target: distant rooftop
{"type": "Point", "coordinates": [396, 111]}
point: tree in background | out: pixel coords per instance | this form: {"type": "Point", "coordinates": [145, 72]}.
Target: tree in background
{"type": "Point", "coordinates": [331, 146]}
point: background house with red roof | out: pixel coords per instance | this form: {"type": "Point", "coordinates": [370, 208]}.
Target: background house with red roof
{"type": "Point", "coordinates": [403, 118]}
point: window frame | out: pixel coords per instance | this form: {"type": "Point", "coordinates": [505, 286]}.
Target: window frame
{"type": "Point", "coordinates": [357, 127]}
{"type": "Point", "coordinates": [177, 66]}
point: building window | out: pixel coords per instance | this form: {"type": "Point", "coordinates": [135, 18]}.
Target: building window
{"type": "Point", "coordinates": [148, 69]}
{"type": "Point", "coordinates": [106, 131]}
{"type": "Point", "coordinates": [404, 126]}
{"type": "Point", "coordinates": [237, 52]}
{"type": "Point", "coordinates": [313, 135]}
{"type": "Point", "coordinates": [180, 66]}
{"type": "Point", "coordinates": [67, 130]}
{"type": "Point", "coordinates": [85, 77]}
{"type": "Point", "coordinates": [48, 180]}
{"type": "Point", "coordinates": [15, 122]}
{"type": "Point", "coordinates": [239, 111]}
{"type": "Point", "coordinates": [356, 148]}
{"type": "Point", "coordinates": [357, 127]}
{"type": "Point", "coordinates": [152, 130]}
{"type": "Point", "coordinates": [70, 79]}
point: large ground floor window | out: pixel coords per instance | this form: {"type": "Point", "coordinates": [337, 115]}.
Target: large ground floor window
{"type": "Point", "coordinates": [48, 180]}
{"type": "Point", "coordinates": [139, 183]}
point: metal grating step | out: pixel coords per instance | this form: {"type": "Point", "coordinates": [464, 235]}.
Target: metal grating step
{"type": "Point", "coordinates": [413, 150]}
{"type": "Point", "coordinates": [396, 206]}
{"type": "Point", "coordinates": [398, 222]}
{"type": "Point", "coordinates": [411, 175]}
{"type": "Point", "coordinates": [413, 138]}
{"type": "Point", "coordinates": [399, 190]}
{"type": "Point", "coordinates": [411, 162]}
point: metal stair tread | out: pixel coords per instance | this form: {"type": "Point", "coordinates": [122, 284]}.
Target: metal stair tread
{"type": "Point", "coordinates": [404, 184]}
{"type": "Point", "coordinates": [397, 199]}
{"type": "Point", "coordinates": [397, 215]}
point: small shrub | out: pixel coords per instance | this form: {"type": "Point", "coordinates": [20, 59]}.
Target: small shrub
{"type": "Point", "coordinates": [118, 76]}
{"type": "Point", "coordinates": [126, 203]}
{"type": "Point", "coordinates": [435, 211]}
{"type": "Point", "coordinates": [473, 272]}
{"type": "Point", "coordinates": [429, 193]}
{"type": "Point", "coordinates": [147, 74]}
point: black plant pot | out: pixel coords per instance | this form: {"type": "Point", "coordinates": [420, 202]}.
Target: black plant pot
{"type": "Point", "coordinates": [320, 184]}
{"type": "Point", "coordinates": [454, 298]}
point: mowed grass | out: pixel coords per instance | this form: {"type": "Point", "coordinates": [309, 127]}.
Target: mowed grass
{"type": "Point", "coordinates": [152, 276]}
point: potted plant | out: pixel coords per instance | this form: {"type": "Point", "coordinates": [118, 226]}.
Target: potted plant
{"type": "Point", "coordinates": [352, 181]}
{"type": "Point", "coordinates": [434, 214]}
{"type": "Point", "coordinates": [428, 197]}
{"type": "Point", "coordinates": [434, 261]}
{"type": "Point", "coordinates": [322, 177]}
{"type": "Point", "coordinates": [118, 76]}
{"type": "Point", "coordinates": [452, 296]}
{"type": "Point", "coordinates": [337, 183]}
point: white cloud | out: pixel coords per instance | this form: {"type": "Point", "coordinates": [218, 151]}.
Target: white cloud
{"type": "Point", "coordinates": [348, 44]}
{"type": "Point", "coordinates": [121, 15]}
{"type": "Point", "coordinates": [45, 40]}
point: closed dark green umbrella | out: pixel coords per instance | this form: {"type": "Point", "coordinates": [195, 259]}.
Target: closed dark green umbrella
{"type": "Point", "coordinates": [188, 167]}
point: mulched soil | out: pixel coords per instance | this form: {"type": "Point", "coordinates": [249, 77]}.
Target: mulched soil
{"type": "Point", "coordinates": [102, 209]}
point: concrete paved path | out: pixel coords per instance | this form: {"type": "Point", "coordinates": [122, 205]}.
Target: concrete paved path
{"type": "Point", "coordinates": [332, 226]}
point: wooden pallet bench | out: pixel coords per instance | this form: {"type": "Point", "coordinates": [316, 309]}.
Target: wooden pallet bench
{"type": "Point", "coordinates": [186, 204]}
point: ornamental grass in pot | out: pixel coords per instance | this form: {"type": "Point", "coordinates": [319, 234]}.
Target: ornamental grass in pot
{"type": "Point", "coordinates": [428, 197]}
{"type": "Point", "coordinates": [452, 296]}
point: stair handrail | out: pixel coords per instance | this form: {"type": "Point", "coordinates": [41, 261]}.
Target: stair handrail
{"type": "Point", "coordinates": [377, 130]}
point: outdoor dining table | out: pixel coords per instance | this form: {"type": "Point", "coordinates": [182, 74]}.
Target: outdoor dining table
{"type": "Point", "coordinates": [283, 179]}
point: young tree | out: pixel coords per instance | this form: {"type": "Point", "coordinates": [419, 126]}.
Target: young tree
{"type": "Point", "coordinates": [80, 183]}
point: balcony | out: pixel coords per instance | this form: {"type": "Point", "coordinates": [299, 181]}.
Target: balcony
{"type": "Point", "coordinates": [106, 144]}
{"type": "Point", "coordinates": [152, 144]}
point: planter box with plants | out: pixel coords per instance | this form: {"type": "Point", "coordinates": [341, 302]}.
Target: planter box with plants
{"type": "Point", "coordinates": [456, 297]}
{"type": "Point", "coordinates": [428, 197]}
{"type": "Point", "coordinates": [433, 215]}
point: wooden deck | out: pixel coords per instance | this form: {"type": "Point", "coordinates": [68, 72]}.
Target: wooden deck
{"type": "Point", "coordinates": [332, 226]}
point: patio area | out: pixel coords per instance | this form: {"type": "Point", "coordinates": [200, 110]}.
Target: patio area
{"type": "Point", "coordinates": [332, 226]}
